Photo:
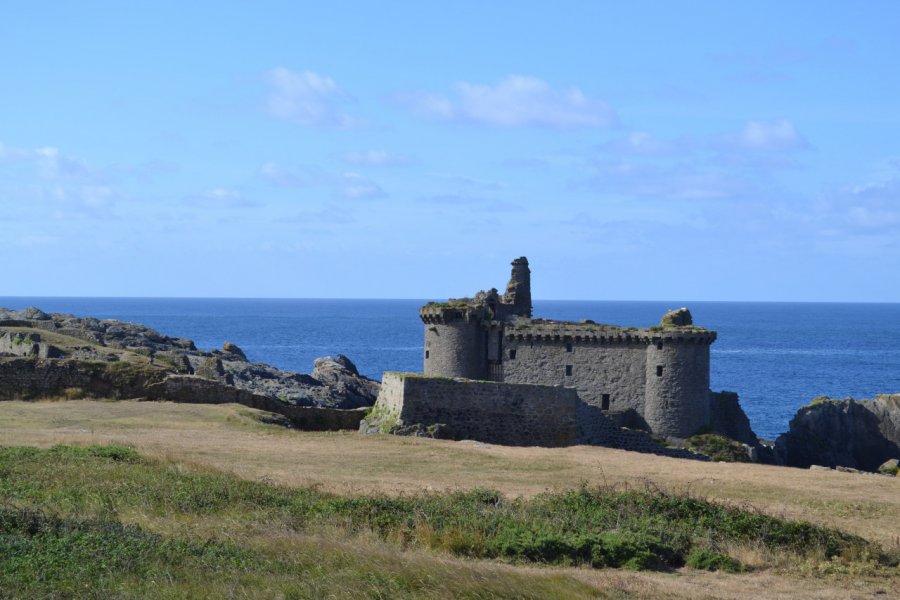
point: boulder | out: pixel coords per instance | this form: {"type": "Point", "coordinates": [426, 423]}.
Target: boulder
{"type": "Point", "coordinates": [234, 351]}
{"type": "Point", "coordinates": [34, 314]}
{"type": "Point", "coordinates": [890, 467]}
{"type": "Point", "coordinates": [858, 434]}
{"type": "Point", "coordinates": [343, 378]}
{"type": "Point", "coordinates": [210, 368]}
{"type": "Point", "coordinates": [677, 318]}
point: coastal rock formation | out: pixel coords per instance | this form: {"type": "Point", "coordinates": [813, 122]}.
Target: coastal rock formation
{"type": "Point", "coordinates": [233, 351]}
{"type": "Point", "coordinates": [77, 342]}
{"type": "Point", "coordinates": [860, 434]}
{"type": "Point", "coordinates": [728, 419]}
{"type": "Point", "coordinates": [341, 375]}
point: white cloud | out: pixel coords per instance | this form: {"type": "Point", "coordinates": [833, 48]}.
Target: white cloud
{"type": "Point", "coordinates": [357, 187]}
{"type": "Point", "coordinates": [375, 158]}
{"type": "Point", "coordinates": [515, 101]}
{"type": "Point", "coordinates": [345, 185]}
{"type": "Point", "coordinates": [64, 186]}
{"type": "Point", "coordinates": [770, 135]}
{"type": "Point", "coordinates": [306, 98]}
{"type": "Point", "coordinates": [298, 176]}
{"type": "Point", "coordinates": [753, 138]}
{"type": "Point", "coordinates": [678, 181]}
{"type": "Point", "coordinates": [221, 198]}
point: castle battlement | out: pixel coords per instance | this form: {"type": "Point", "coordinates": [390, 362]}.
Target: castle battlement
{"type": "Point", "coordinates": [659, 373]}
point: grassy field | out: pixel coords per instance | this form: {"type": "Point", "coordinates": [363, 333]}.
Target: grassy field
{"type": "Point", "coordinates": [349, 555]}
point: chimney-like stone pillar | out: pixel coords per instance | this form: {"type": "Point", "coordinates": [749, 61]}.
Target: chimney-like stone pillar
{"type": "Point", "coordinates": [518, 290]}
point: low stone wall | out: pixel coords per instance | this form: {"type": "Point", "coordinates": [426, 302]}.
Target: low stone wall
{"type": "Point", "coordinates": [509, 414]}
{"type": "Point", "coordinates": [197, 390]}
{"type": "Point", "coordinates": [30, 378]}
{"type": "Point", "coordinates": [596, 428]}
{"type": "Point", "coordinates": [26, 378]}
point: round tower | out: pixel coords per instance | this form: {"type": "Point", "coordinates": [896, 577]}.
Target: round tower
{"type": "Point", "coordinates": [676, 401]}
{"type": "Point", "coordinates": [455, 342]}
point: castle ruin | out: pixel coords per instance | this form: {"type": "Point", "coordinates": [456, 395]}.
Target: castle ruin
{"type": "Point", "coordinates": [655, 378]}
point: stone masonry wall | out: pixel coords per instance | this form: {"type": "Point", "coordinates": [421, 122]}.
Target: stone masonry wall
{"type": "Point", "coordinates": [197, 390]}
{"type": "Point", "coordinates": [617, 369]}
{"type": "Point", "coordinates": [455, 349]}
{"type": "Point", "coordinates": [27, 378]}
{"type": "Point", "coordinates": [677, 389]}
{"type": "Point", "coordinates": [515, 415]}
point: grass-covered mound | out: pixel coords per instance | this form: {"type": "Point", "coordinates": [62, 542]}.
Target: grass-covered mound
{"type": "Point", "coordinates": [106, 521]}
{"type": "Point", "coordinates": [718, 447]}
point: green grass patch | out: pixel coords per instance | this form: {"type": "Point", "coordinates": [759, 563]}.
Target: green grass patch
{"type": "Point", "coordinates": [65, 507]}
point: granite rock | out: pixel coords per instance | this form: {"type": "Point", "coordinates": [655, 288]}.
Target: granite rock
{"type": "Point", "coordinates": [858, 434]}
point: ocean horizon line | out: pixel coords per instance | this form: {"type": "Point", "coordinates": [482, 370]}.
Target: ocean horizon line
{"type": "Point", "coordinates": [431, 299]}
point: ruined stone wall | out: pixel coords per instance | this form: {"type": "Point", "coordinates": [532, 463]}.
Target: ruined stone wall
{"type": "Point", "coordinates": [677, 387]}
{"type": "Point", "coordinates": [456, 348]}
{"type": "Point", "coordinates": [598, 368]}
{"type": "Point", "coordinates": [197, 390]}
{"type": "Point", "coordinates": [515, 415]}
{"type": "Point", "coordinates": [26, 345]}
{"type": "Point", "coordinates": [26, 379]}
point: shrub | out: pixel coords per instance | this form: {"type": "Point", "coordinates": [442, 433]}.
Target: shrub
{"type": "Point", "coordinates": [706, 559]}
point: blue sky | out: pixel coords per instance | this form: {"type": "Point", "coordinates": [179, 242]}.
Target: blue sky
{"type": "Point", "coordinates": [680, 150]}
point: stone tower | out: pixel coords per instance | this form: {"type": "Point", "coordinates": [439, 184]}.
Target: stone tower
{"type": "Point", "coordinates": [518, 290]}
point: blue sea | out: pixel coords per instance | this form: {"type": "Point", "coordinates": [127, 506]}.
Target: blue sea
{"type": "Point", "coordinates": [777, 356]}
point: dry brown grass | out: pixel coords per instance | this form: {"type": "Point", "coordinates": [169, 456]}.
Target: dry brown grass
{"type": "Point", "coordinates": [231, 438]}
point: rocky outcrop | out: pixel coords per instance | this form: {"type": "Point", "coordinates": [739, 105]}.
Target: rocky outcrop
{"type": "Point", "coordinates": [859, 434]}
{"type": "Point", "coordinates": [233, 351]}
{"type": "Point", "coordinates": [27, 344]}
{"type": "Point", "coordinates": [728, 419]}
{"type": "Point", "coordinates": [677, 318]}
{"type": "Point", "coordinates": [341, 375]}
{"type": "Point", "coordinates": [210, 368]}
{"type": "Point", "coordinates": [93, 340]}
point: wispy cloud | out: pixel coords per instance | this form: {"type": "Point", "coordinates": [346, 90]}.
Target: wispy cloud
{"type": "Point", "coordinates": [514, 101]}
{"type": "Point", "coordinates": [467, 201]}
{"type": "Point", "coordinates": [375, 158]}
{"type": "Point", "coordinates": [777, 135]}
{"type": "Point", "coordinates": [293, 176]}
{"type": "Point", "coordinates": [61, 185]}
{"type": "Point", "coordinates": [754, 136]}
{"type": "Point", "coordinates": [221, 198]}
{"type": "Point", "coordinates": [731, 164]}
{"type": "Point", "coordinates": [306, 98]}
{"type": "Point", "coordinates": [356, 187]}
{"type": "Point", "coordinates": [349, 185]}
